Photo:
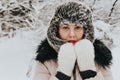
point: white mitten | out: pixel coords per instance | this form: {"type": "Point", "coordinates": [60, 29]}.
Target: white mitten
{"type": "Point", "coordinates": [66, 59]}
{"type": "Point", "coordinates": [85, 58]}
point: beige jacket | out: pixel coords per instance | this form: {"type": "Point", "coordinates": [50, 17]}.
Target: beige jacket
{"type": "Point", "coordinates": [48, 70]}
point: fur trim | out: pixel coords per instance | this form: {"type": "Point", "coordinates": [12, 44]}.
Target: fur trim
{"type": "Point", "coordinates": [45, 52]}
{"type": "Point", "coordinates": [103, 56]}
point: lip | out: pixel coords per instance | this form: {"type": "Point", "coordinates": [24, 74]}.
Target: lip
{"type": "Point", "coordinates": [72, 41]}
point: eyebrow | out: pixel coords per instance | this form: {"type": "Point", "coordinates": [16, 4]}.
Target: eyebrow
{"type": "Point", "coordinates": [65, 23]}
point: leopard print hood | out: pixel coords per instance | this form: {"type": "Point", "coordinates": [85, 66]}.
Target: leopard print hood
{"type": "Point", "coordinates": [74, 13]}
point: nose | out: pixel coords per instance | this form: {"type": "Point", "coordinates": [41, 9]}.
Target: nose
{"type": "Point", "coordinates": [72, 34]}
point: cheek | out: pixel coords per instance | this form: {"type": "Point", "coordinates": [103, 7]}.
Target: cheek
{"type": "Point", "coordinates": [63, 35]}
{"type": "Point", "coordinates": [80, 35]}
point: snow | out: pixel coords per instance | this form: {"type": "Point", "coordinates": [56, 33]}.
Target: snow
{"type": "Point", "coordinates": [15, 56]}
{"type": "Point", "coordinates": [14, 59]}
{"type": "Point", "coordinates": [116, 53]}
{"type": "Point", "coordinates": [116, 63]}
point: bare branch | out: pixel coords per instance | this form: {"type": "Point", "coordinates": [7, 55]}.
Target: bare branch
{"type": "Point", "coordinates": [112, 8]}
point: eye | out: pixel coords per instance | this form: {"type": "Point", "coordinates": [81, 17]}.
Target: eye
{"type": "Point", "coordinates": [78, 27]}
{"type": "Point", "coordinates": [64, 27]}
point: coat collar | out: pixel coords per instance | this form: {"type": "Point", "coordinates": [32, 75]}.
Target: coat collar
{"type": "Point", "coordinates": [103, 56]}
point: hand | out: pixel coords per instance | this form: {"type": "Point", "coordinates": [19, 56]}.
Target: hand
{"type": "Point", "coordinates": [85, 58]}
{"type": "Point", "coordinates": [66, 59]}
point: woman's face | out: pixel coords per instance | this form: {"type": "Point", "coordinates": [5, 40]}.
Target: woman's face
{"type": "Point", "coordinates": [71, 32]}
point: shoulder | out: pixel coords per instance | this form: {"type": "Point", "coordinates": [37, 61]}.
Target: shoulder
{"type": "Point", "coordinates": [48, 67]}
{"type": "Point", "coordinates": [40, 67]}
{"type": "Point", "coordinates": [103, 55]}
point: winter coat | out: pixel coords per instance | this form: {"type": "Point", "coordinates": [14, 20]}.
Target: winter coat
{"type": "Point", "coordinates": [77, 13]}
{"type": "Point", "coordinates": [46, 64]}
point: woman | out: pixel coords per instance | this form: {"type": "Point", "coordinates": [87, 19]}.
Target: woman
{"type": "Point", "coordinates": [70, 51]}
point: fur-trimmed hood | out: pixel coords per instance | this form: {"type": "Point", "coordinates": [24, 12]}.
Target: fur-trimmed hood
{"type": "Point", "coordinates": [70, 12]}
{"type": "Point", "coordinates": [103, 56]}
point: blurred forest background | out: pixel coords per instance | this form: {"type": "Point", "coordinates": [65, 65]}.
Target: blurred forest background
{"type": "Point", "coordinates": [35, 15]}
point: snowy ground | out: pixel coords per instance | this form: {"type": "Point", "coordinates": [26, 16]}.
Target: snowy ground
{"type": "Point", "coordinates": [16, 53]}
{"type": "Point", "coordinates": [116, 57]}
{"type": "Point", "coordinates": [15, 56]}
